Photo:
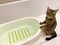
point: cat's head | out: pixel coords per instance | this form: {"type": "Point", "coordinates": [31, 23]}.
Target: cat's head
{"type": "Point", "coordinates": [51, 13]}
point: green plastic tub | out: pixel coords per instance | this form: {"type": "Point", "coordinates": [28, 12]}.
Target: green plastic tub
{"type": "Point", "coordinates": [18, 31]}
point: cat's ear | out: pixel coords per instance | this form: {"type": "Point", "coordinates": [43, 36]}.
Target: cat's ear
{"type": "Point", "coordinates": [56, 10]}
{"type": "Point", "coordinates": [48, 8]}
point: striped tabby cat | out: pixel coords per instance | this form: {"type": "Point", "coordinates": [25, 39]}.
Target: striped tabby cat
{"type": "Point", "coordinates": [50, 23]}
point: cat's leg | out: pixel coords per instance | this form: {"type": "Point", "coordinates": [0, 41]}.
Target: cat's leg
{"type": "Point", "coordinates": [53, 35]}
{"type": "Point", "coordinates": [42, 22]}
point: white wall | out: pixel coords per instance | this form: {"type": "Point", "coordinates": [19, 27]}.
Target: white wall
{"type": "Point", "coordinates": [6, 1]}
{"type": "Point", "coordinates": [27, 8]}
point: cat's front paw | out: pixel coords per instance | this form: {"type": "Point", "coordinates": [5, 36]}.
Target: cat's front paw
{"type": "Point", "coordinates": [41, 27]}
{"type": "Point", "coordinates": [41, 23]}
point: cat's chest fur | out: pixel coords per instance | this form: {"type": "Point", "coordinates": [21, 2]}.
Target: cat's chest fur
{"type": "Point", "coordinates": [50, 21]}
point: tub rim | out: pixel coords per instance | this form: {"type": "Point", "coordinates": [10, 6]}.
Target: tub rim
{"type": "Point", "coordinates": [13, 2]}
